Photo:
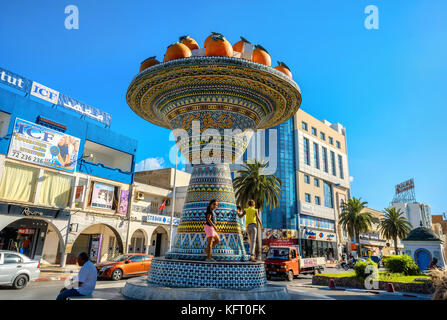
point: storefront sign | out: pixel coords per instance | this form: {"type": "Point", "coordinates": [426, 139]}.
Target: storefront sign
{"type": "Point", "coordinates": [280, 237]}
{"type": "Point", "coordinates": [40, 145]}
{"type": "Point", "coordinates": [306, 208]}
{"type": "Point", "coordinates": [124, 201]}
{"type": "Point", "coordinates": [156, 218]}
{"type": "Point", "coordinates": [25, 231]}
{"type": "Point", "coordinates": [318, 235]}
{"type": "Point", "coordinates": [50, 95]}
{"type": "Point", "coordinates": [17, 210]}
{"type": "Point", "coordinates": [102, 196]}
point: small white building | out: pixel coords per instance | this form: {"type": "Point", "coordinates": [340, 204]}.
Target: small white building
{"type": "Point", "coordinates": [423, 244]}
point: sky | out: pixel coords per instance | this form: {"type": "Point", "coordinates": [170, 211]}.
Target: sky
{"type": "Point", "coordinates": [387, 86]}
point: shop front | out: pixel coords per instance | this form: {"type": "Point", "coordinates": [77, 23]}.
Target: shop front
{"type": "Point", "coordinates": [317, 243]}
{"type": "Point", "coordinates": [33, 231]}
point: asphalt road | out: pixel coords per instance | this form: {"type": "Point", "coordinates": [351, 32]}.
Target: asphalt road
{"type": "Point", "coordinates": [110, 290]}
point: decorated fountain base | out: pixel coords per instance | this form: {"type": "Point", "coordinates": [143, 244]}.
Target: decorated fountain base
{"type": "Point", "coordinates": [170, 279]}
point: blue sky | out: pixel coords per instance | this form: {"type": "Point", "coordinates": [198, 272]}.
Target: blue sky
{"type": "Point", "coordinates": [386, 86]}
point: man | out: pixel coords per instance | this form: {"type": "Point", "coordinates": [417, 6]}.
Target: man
{"type": "Point", "coordinates": [251, 222]}
{"type": "Point", "coordinates": [86, 279]}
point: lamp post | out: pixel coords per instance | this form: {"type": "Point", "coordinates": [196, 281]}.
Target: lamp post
{"type": "Point", "coordinates": [173, 202]}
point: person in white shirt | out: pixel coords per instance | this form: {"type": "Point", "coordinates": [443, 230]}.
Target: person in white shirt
{"type": "Point", "coordinates": [86, 279]}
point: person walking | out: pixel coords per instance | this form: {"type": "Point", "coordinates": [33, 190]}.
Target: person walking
{"type": "Point", "coordinates": [251, 221]}
{"type": "Point", "coordinates": [211, 228]}
{"type": "Point", "coordinates": [86, 279]}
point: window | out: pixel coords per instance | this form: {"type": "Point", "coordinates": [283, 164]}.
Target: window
{"type": "Point", "coordinates": [331, 140]}
{"type": "Point", "coordinates": [136, 258]}
{"type": "Point", "coordinates": [97, 153]}
{"type": "Point", "coordinates": [304, 125]}
{"type": "Point", "coordinates": [334, 170]}
{"type": "Point", "coordinates": [316, 182]}
{"type": "Point", "coordinates": [104, 196]}
{"type": "Point", "coordinates": [4, 124]}
{"type": "Point", "coordinates": [306, 179]}
{"type": "Point", "coordinates": [316, 156]}
{"type": "Point", "coordinates": [322, 136]}
{"type": "Point", "coordinates": [328, 198]}
{"type": "Point", "coordinates": [293, 254]}
{"type": "Point", "coordinates": [11, 258]}
{"type": "Point", "coordinates": [18, 182]}
{"type": "Point", "coordinates": [306, 151]}
{"type": "Point", "coordinates": [340, 166]}
{"type": "Point", "coordinates": [338, 144]}
{"type": "Point", "coordinates": [314, 131]}
{"type": "Point", "coordinates": [55, 189]}
{"type": "Point", "coordinates": [324, 155]}
{"type": "Point", "coordinates": [317, 200]}
{"type": "Point", "coordinates": [307, 196]}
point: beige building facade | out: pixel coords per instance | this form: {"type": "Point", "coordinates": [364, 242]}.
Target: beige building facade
{"type": "Point", "coordinates": [322, 178]}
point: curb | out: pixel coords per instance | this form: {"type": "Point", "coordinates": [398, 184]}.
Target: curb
{"type": "Point", "coordinates": [404, 294]}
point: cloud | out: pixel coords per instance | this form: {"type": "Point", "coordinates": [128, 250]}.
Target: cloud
{"type": "Point", "coordinates": [351, 178]}
{"type": "Point", "coordinates": [150, 164]}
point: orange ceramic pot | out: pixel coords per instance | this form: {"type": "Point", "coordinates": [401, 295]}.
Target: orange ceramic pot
{"type": "Point", "coordinates": [218, 46]}
{"type": "Point", "coordinates": [284, 69]}
{"type": "Point", "coordinates": [189, 42]}
{"type": "Point", "coordinates": [177, 51]}
{"type": "Point", "coordinates": [149, 62]}
{"type": "Point", "coordinates": [260, 55]}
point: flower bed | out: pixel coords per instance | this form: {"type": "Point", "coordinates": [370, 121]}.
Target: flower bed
{"type": "Point", "coordinates": [417, 284]}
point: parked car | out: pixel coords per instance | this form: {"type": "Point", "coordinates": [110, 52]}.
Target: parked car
{"type": "Point", "coordinates": [126, 265]}
{"type": "Point", "coordinates": [17, 269]}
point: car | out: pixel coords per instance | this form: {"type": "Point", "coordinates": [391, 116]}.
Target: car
{"type": "Point", "coordinates": [126, 265]}
{"type": "Point", "coordinates": [17, 270]}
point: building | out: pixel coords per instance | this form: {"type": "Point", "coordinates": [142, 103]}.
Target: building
{"type": "Point", "coordinates": [310, 158]}
{"type": "Point", "coordinates": [65, 176]}
{"type": "Point", "coordinates": [416, 213]}
{"type": "Point", "coordinates": [439, 222]}
{"type": "Point", "coordinates": [423, 244]}
{"type": "Point", "coordinates": [372, 242]}
{"type": "Point", "coordinates": [149, 226]}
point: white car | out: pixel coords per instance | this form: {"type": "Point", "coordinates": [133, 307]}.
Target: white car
{"type": "Point", "coordinates": [17, 269]}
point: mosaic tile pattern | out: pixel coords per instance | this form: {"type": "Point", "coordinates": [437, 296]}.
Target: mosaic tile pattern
{"type": "Point", "coordinates": [184, 274]}
{"type": "Point", "coordinates": [208, 182]}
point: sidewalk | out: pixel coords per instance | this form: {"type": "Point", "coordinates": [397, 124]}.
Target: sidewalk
{"type": "Point", "coordinates": [53, 272]}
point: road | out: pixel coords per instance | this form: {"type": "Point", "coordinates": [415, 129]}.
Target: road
{"type": "Point", "coordinates": [110, 290]}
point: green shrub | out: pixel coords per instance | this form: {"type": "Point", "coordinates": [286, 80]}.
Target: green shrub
{"type": "Point", "coordinates": [360, 268]}
{"type": "Point", "coordinates": [401, 264]}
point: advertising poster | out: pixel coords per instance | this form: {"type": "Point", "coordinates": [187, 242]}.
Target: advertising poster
{"type": "Point", "coordinates": [124, 201]}
{"type": "Point", "coordinates": [102, 196]}
{"type": "Point", "coordinates": [40, 145]}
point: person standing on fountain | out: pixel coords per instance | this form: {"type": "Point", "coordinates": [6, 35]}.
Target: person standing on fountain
{"type": "Point", "coordinates": [211, 228]}
{"type": "Point", "coordinates": [252, 220]}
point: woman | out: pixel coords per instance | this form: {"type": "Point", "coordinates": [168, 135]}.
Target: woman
{"type": "Point", "coordinates": [211, 228]}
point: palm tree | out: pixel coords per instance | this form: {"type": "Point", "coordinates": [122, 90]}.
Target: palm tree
{"type": "Point", "coordinates": [354, 221]}
{"type": "Point", "coordinates": [394, 225]}
{"type": "Point", "coordinates": [264, 189]}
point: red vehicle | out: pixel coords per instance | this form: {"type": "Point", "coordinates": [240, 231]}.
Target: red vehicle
{"type": "Point", "coordinates": [285, 262]}
{"type": "Point", "coordinates": [126, 265]}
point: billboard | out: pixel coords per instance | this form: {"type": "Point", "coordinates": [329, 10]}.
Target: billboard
{"type": "Point", "coordinates": [404, 186]}
{"type": "Point", "coordinates": [55, 97]}
{"type": "Point", "coordinates": [40, 145]}
{"type": "Point", "coordinates": [102, 196]}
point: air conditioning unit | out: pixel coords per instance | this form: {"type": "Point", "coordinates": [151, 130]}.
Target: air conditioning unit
{"type": "Point", "coordinates": [139, 196]}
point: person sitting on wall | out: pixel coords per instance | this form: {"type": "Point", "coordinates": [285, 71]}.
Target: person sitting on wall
{"type": "Point", "coordinates": [211, 228]}
{"type": "Point", "coordinates": [86, 279]}
{"type": "Point", "coordinates": [252, 219]}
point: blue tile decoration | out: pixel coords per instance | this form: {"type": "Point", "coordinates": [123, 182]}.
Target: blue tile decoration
{"type": "Point", "coordinates": [227, 95]}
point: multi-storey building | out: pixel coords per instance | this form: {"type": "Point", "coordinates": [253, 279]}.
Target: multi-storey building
{"type": "Point", "coordinates": [64, 178]}
{"type": "Point", "coordinates": [150, 220]}
{"type": "Point", "coordinates": [416, 213]}
{"type": "Point", "coordinates": [310, 158]}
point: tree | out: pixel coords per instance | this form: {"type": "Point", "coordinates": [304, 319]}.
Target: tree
{"type": "Point", "coordinates": [354, 221]}
{"type": "Point", "coordinates": [252, 183]}
{"type": "Point", "coordinates": [394, 225]}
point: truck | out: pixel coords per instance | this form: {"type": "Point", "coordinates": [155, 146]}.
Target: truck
{"type": "Point", "coordinates": [285, 262]}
